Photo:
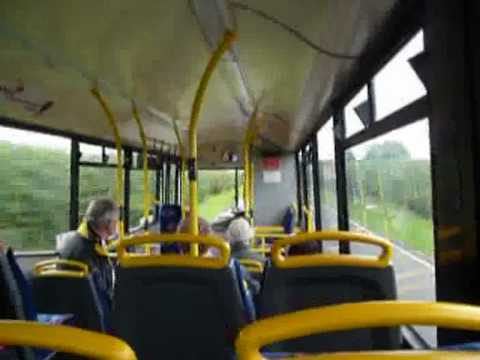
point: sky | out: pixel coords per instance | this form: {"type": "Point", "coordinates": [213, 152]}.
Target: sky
{"type": "Point", "coordinates": [396, 85]}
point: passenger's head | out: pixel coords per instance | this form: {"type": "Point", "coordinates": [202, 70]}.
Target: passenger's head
{"type": "Point", "coordinates": [102, 216]}
{"type": "Point", "coordinates": [306, 248]}
{"type": "Point", "coordinates": [239, 230]}
{"type": "Point", "coordinates": [170, 217]}
{"type": "Point", "coordinates": [204, 228]}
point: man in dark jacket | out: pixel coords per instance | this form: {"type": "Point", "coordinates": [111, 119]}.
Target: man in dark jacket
{"type": "Point", "coordinates": [86, 244]}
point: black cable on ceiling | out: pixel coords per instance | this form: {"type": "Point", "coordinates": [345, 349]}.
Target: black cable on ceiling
{"type": "Point", "coordinates": [292, 31]}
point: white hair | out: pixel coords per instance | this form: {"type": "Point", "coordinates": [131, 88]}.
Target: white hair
{"type": "Point", "coordinates": [101, 212]}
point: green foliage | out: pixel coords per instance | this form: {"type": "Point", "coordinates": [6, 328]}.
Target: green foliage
{"type": "Point", "coordinates": [35, 193]}
{"type": "Point", "coordinates": [392, 197]}
{"type": "Point", "coordinates": [387, 150]}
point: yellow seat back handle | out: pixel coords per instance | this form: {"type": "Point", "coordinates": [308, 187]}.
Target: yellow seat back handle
{"type": "Point", "coordinates": [144, 260]}
{"type": "Point", "coordinates": [357, 316]}
{"type": "Point", "coordinates": [329, 259]}
{"type": "Point", "coordinates": [61, 268]}
{"type": "Point", "coordinates": [66, 339]}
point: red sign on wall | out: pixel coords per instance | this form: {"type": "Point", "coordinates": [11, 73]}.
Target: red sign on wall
{"type": "Point", "coordinates": [271, 163]}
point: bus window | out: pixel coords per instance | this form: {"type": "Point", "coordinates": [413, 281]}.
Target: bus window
{"type": "Point", "coordinates": [136, 195]}
{"type": "Point", "coordinates": [328, 179]}
{"type": "Point", "coordinates": [216, 192]}
{"type": "Point", "coordinates": [34, 188]}
{"type": "Point", "coordinates": [353, 124]}
{"type": "Point", "coordinates": [95, 154]}
{"type": "Point", "coordinates": [328, 182]}
{"type": "Point", "coordinates": [389, 194]}
{"type": "Point", "coordinates": [399, 78]}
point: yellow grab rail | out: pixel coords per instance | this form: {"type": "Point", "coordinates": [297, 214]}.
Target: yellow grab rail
{"type": "Point", "coordinates": [118, 145]}
{"type": "Point", "coordinates": [310, 220]}
{"type": "Point", "coordinates": [65, 339]}
{"type": "Point", "coordinates": [328, 259]}
{"type": "Point", "coordinates": [252, 265]}
{"type": "Point", "coordinates": [146, 179]}
{"type": "Point", "coordinates": [46, 268]}
{"type": "Point", "coordinates": [248, 169]}
{"type": "Point", "coordinates": [357, 316]}
{"type": "Point", "coordinates": [228, 39]}
{"type": "Point", "coordinates": [141, 260]}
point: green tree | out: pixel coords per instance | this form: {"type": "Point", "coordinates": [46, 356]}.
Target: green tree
{"type": "Point", "coordinates": [387, 150]}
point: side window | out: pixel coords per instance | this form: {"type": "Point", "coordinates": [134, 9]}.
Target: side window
{"type": "Point", "coordinates": [95, 180]}
{"type": "Point", "coordinates": [389, 186]}
{"type": "Point", "coordinates": [328, 178]}
{"type": "Point", "coordinates": [216, 192]}
{"type": "Point", "coordinates": [34, 188]}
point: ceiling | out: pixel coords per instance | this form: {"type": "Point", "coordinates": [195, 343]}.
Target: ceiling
{"type": "Point", "coordinates": [154, 52]}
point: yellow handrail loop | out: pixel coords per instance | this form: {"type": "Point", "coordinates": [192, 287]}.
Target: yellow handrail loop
{"type": "Point", "coordinates": [328, 259]}
{"type": "Point", "coordinates": [141, 260]}
{"type": "Point", "coordinates": [61, 268]}
{"type": "Point", "coordinates": [65, 339]}
{"type": "Point", "coordinates": [357, 316]}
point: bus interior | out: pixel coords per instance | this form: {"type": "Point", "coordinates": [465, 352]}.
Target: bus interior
{"type": "Point", "coordinates": [341, 132]}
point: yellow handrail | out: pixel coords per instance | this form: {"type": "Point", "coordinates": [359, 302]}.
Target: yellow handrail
{"type": "Point", "coordinates": [118, 144]}
{"type": "Point", "coordinates": [146, 179]}
{"type": "Point", "coordinates": [252, 265]}
{"type": "Point", "coordinates": [272, 229]}
{"type": "Point", "coordinates": [310, 221]}
{"type": "Point", "coordinates": [140, 260]}
{"type": "Point", "coordinates": [65, 339]}
{"type": "Point", "coordinates": [328, 259]}
{"type": "Point", "coordinates": [228, 39]}
{"type": "Point", "coordinates": [357, 316]}
{"type": "Point", "coordinates": [50, 268]}
{"type": "Point", "coordinates": [248, 164]}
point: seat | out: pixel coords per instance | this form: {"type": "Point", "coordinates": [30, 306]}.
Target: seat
{"type": "Point", "coordinates": [300, 282]}
{"type": "Point", "coordinates": [65, 286]}
{"type": "Point", "coordinates": [180, 306]}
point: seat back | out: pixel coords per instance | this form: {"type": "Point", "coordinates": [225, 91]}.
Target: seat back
{"type": "Point", "coordinates": [68, 292]}
{"type": "Point", "coordinates": [179, 306]}
{"type": "Point", "coordinates": [11, 307]}
{"type": "Point", "coordinates": [327, 279]}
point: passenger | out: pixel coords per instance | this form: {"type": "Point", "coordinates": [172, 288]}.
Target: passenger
{"type": "Point", "coordinates": [170, 217]}
{"type": "Point", "coordinates": [306, 248]}
{"type": "Point", "coordinates": [204, 228]}
{"type": "Point", "coordinates": [86, 245]}
{"type": "Point", "coordinates": [239, 234]}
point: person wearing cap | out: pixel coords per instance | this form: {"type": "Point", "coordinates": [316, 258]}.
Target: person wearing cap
{"type": "Point", "coordinates": [239, 234]}
{"type": "Point", "coordinates": [86, 245]}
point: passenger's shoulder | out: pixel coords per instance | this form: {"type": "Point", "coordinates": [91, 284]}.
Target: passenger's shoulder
{"type": "Point", "coordinates": [72, 243]}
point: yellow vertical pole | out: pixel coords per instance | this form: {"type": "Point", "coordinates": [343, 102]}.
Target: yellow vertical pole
{"type": "Point", "coordinates": [118, 144]}
{"type": "Point", "coordinates": [146, 180]}
{"type": "Point", "coordinates": [246, 180]}
{"type": "Point", "coordinates": [228, 39]}
{"type": "Point", "coordinates": [248, 190]}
